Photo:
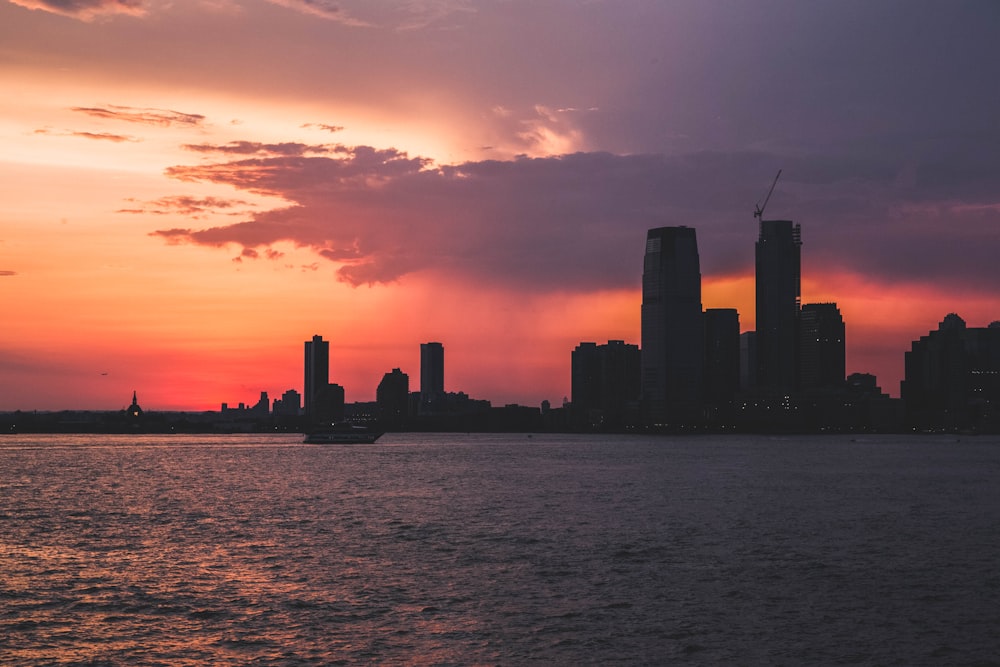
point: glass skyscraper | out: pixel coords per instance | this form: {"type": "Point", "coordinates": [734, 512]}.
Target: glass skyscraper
{"type": "Point", "coordinates": [672, 330]}
{"type": "Point", "coordinates": [778, 279]}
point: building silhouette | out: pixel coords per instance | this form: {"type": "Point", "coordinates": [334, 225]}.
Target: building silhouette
{"type": "Point", "coordinates": [748, 360]}
{"type": "Point", "coordinates": [133, 410]}
{"type": "Point", "coordinates": [431, 376]}
{"type": "Point", "coordinates": [329, 404]}
{"type": "Point", "coordinates": [722, 355]}
{"type": "Point", "coordinates": [778, 289]}
{"type": "Point", "coordinates": [673, 335]}
{"type": "Point", "coordinates": [288, 405]}
{"type": "Point", "coordinates": [392, 399]}
{"type": "Point", "coordinates": [605, 384]}
{"type": "Point", "coordinates": [952, 377]}
{"type": "Point", "coordinates": [317, 374]}
{"type": "Point", "coordinates": [822, 359]}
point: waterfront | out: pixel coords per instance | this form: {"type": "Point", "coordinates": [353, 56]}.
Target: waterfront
{"type": "Point", "coordinates": [499, 549]}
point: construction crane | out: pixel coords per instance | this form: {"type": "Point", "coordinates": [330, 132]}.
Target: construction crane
{"type": "Point", "coordinates": [759, 208]}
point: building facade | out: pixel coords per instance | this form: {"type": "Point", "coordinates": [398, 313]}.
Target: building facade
{"type": "Point", "coordinates": [822, 358]}
{"type": "Point", "coordinates": [673, 334]}
{"type": "Point", "coordinates": [722, 355]}
{"type": "Point", "coordinates": [392, 398]}
{"type": "Point", "coordinates": [431, 369]}
{"type": "Point", "coordinates": [952, 377]}
{"type": "Point", "coordinates": [605, 384]}
{"type": "Point", "coordinates": [317, 373]}
{"type": "Point", "coordinates": [778, 291]}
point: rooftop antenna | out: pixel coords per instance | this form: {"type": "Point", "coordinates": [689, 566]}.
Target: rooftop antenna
{"type": "Point", "coordinates": [759, 208]}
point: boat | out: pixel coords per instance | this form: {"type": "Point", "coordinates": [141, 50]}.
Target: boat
{"type": "Point", "coordinates": [343, 434]}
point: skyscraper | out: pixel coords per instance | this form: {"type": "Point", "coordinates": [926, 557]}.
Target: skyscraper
{"type": "Point", "coordinates": [821, 347]}
{"type": "Point", "coordinates": [779, 270]}
{"type": "Point", "coordinates": [317, 373]}
{"type": "Point", "coordinates": [431, 368]}
{"type": "Point", "coordinates": [722, 355]}
{"type": "Point", "coordinates": [672, 332]}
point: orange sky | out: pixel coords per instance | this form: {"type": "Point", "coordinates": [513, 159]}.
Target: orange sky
{"type": "Point", "coordinates": [181, 212]}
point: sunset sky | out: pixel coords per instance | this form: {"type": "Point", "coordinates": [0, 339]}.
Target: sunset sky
{"type": "Point", "coordinates": [190, 190]}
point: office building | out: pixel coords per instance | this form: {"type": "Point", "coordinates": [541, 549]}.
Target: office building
{"type": "Point", "coordinates": [673, 336]}
{"type": "Point", "coordinates": [431, 373]}
{"type": "Point", "coordinates": [821, 347]}
{"type": "Point", "coordinates": [952, 377]}
{"type": "Point", "coordinates": [605, 384]}
{"type": "Point", "coordinates": [317, 373]}
{"type": "Point", "coordinates": [392, 399]}
{"type": "Point", "coordinates": [722, 355]}
{"type": "Point", "coordinates": [778, 288]}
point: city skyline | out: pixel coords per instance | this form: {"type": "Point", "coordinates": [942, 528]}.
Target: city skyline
{"type": "Point", "coordinates": [182, 209]}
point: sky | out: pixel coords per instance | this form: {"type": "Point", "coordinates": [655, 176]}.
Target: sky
{"type": "Point", "coordinates": [190, 190]}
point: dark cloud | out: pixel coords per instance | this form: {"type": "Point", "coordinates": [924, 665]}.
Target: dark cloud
{"type": "Point", "coordinates": [288, 148]}
{"type": "Point", "coordinates": [577, 222]}
{"type": "Point", "coordinates": [86, 9]}
{"type": "Point", "coordinates": [7, 273]}
{"type": "Point", "coordinates": [185, 205]}
{"type": "Point", "coordinates": [163, 117]}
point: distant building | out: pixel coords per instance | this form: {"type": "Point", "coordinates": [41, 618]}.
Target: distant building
{"type": "Point", "coordinates": [392, 399]}
{"type": "Point", "coordinates": [431, 374]}
{"type": "Point", "coordinates": [605, 384]}
{"type": "Point", "coordinates": [672, 331]}
{"type": "Point", "coordinates": [288, 405]}
{"type": "Point", "coordinates": [778, 289]}
{"type": "Point", "coordinates": [722, 355]}
{"type": "Point", "coordinates": [952, 377]}
{"type": "Point", "coordinates": [822, 357]}
{"type": "Point", "coordinates": [748, 360]}
{"type": "Point", "coordinates": [329, 405]}
{"type": "Point", "coordinates": [317, 373]}
{"type": "Point", "coordinates": [134, 411]}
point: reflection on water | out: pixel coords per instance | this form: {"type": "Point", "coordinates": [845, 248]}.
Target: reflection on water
{"type": "Point", "coordinates": [459, 549]}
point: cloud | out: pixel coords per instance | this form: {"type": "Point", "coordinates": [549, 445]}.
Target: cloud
{"type": "Point", "coordinates": [577, 222]}
{"type": "Point", "coordinates": [288, 148]}
{"type": "Point", "coordinates": [412, 15]}
{"type": "Point", "coordinates": [7, 273]}
{"type": "Point", "coordinates": [325, 9]}
{"type": "Point", "coordinates": [99, 136]}
{"type": "Point", "coordinates": [185, 205]}
{"type": "Point", "coordinates": [323, 126]}
{"type": "Point", "coordinates": [162, 117]}
{"type": "Point", "coordinates": [86, 10]}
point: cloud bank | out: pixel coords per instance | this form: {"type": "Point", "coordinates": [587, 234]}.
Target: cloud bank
{"type": "Point", "coordinates": [577, 222]}
{"type": "Point", "coordinates": [86, 10]}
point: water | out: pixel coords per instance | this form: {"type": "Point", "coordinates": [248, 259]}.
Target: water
{"type": "Point", "coordinates": [508, 550]}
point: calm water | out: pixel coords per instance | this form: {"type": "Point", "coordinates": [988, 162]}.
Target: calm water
{"type": "Point", "coordinates": [510, 550]}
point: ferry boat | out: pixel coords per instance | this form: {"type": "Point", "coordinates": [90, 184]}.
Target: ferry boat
{"type": "Point", "coordinates": [343, 434]}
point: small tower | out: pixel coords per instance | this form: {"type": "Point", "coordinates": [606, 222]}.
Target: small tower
{"type": "Point", "coordinates": [134, 410]}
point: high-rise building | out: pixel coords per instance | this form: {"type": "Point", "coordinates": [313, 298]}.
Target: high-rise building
{"type": "Point", "coordinates": [431, 368]}
{"type": "Point", "coordinates": [392, 398]}
{"type": "Point", "coordinates": [778, 282]}
{"type": "Point", "coordinates": [722, 355]}
{"type": "Point", "coordinates": [952, 377]}
{"type": "Point", "coordinates": [317, 373]}
{"type": "Point", "coordinates": [821, 347]}
{"type": "Point", "coordinates": [673, 336]}
{"type": "Point", "coordinates": [605, 384]}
